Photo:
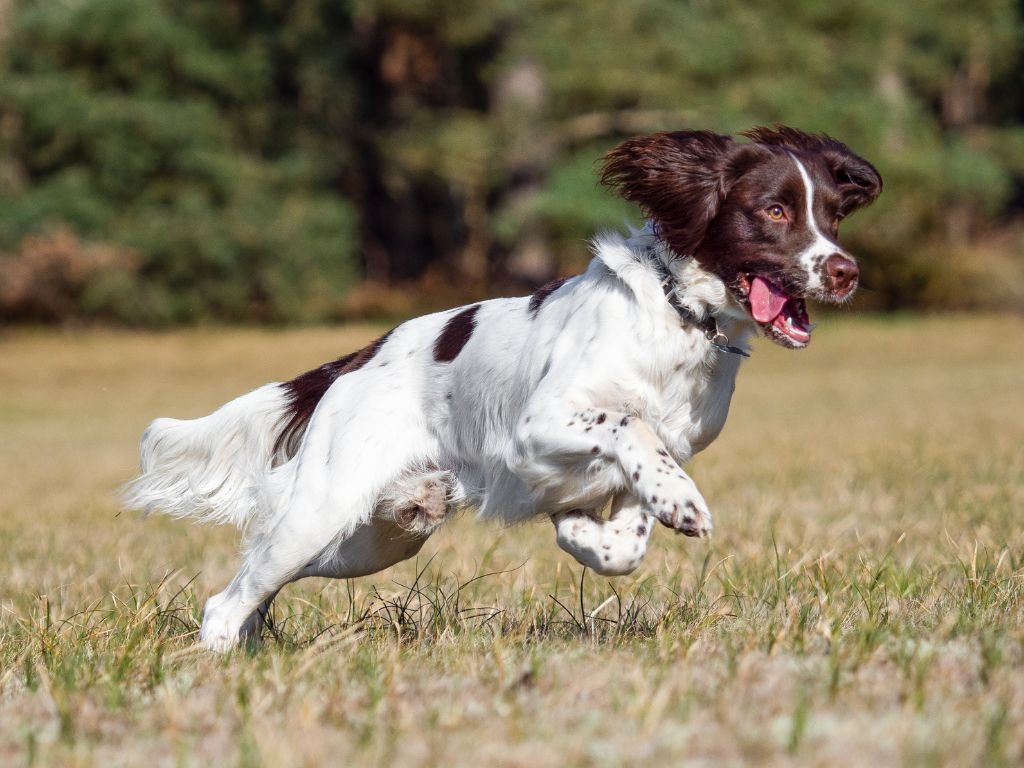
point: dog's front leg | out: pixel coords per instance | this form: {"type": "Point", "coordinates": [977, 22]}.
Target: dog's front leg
{"type": "Point", "coordinates": [611, 547]}
{"type": "Point", "coordinates": [552, 441]}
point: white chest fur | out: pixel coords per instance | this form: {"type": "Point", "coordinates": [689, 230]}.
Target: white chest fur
{"type": "Point", "coordinates": [607, 356]}
{"type": "Point", "coordinates": [688, 421]}
{"type": "Point", "coordinates": [681, 385]}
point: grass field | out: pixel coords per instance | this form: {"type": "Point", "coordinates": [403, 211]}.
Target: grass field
{"type": "Point", "coordinates": [860, 604]}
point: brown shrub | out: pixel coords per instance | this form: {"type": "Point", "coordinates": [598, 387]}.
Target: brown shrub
{"type": "Point", "coordinates": [46, 277]}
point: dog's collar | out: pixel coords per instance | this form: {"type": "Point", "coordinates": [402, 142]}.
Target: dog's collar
{"type": "Point", "coordinates": [708, 325]}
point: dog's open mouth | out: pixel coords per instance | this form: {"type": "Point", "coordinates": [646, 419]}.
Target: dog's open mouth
{"type": "Point", "coordinates": [782, 317]}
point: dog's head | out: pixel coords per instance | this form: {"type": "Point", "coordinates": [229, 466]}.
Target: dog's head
{"type": "Point", "coordinates": [763, 216]}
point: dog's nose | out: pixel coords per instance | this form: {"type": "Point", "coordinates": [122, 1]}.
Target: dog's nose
{"type": "Point", "coordinates": [841, 274]}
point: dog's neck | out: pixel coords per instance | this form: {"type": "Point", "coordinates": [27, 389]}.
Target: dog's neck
{"type": "Point", "coordinates": [695, 298]}
{"type": "Point", "coordinates": [679, 283]}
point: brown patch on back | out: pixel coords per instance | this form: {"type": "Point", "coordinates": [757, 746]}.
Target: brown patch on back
{"type": "Point", "coordinates": [542, 293]}
{"type": "Point", "coordinates": [455, 334]}
{"type": "Point", "coordinates": [307, 389]}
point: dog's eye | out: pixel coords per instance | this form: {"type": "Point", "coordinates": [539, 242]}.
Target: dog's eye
{"type": "Point", "coordinates": [775, 213]}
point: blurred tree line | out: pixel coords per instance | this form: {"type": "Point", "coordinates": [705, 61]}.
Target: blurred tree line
{"type": "Point", "coordinates": [277, 160]}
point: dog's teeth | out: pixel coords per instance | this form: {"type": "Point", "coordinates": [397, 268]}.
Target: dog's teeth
{"type": "Point", "coordinates": [811, 326]}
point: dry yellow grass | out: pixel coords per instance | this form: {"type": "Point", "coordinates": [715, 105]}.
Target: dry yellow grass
{"type": "Point", "coordinates": [861, 603]}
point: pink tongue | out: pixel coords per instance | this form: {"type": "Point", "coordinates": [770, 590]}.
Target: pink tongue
{"type": "Point", "coordinates": [766, 301]}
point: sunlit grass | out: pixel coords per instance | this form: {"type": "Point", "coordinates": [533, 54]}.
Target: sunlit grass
{"type": "Point", "coordinates": [860, 604]}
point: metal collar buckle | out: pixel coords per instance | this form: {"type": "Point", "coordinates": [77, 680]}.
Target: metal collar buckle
{"type": "Point", "coordinates": [715, 336]}
{"type": "Point", "coordinates": [721, 342]}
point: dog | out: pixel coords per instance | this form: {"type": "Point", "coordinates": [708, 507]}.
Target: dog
{"type": "Point", "coordinates": [590, 394]}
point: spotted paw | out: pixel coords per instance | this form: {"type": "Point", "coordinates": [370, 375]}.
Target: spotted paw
{"type": "Point", "coordinates": [687, 514]}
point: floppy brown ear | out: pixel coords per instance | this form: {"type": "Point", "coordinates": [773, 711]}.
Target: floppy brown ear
{"type": "Point", "coordinates": [679, 179]}
{"type": "Point", "coordinates": [859, 183]}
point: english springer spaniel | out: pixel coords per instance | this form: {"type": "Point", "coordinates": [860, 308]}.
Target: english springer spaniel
{"type": "Point", "coordinates": [592, 392]}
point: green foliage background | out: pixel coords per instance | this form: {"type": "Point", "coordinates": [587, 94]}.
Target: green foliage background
{"type": "Point", "coordinates": [254, 161]}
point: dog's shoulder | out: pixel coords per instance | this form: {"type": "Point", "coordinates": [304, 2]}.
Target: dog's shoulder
{"type": "Point", "coordinates": [625, 260]}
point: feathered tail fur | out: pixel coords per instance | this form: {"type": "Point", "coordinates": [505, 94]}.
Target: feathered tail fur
{"type": "Point", "coordinates": [215, 468]}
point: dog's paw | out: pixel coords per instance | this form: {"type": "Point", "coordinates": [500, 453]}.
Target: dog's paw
{"type": "Point", "coordinates": [217, 639]}
{"type": "Point", "coordinates": [217, 644]}
{"type": "Point", "coordinates": [218, 632]}
{"type": "Point", "coordinates": [685, 513]}
{"type": "Point", "coordinates": [608, 547]}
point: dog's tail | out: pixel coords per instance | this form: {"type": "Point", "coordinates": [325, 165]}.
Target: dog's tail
{"type": "Point", "coordinates": [215, 468]}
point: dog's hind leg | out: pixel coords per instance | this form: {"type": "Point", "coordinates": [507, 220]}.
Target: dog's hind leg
{"type": "Point", "coordinates": [251, 631]}
{"type": "Point", "coordinates": [366, 431]}
{"type": "Point", "coordinates": [409, 510]}
{"type": "Point", "coordinates": [611, 547]}
{"type": "Point", "coordinates": [238, 613]}
{"type": "Point", "coordinates": [371, 548]}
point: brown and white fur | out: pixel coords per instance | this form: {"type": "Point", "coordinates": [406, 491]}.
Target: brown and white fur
{"type": "Point", "coordinates": [595, 390]}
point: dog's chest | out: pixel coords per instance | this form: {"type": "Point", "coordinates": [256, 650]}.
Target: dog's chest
{"type": "Point", "coordinates": [690, 407]}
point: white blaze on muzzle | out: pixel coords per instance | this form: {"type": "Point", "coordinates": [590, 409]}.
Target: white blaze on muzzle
{"type": "Point", "coordinates": [821, 247]}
